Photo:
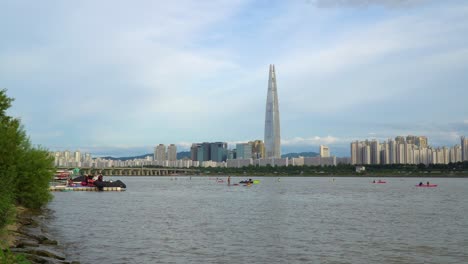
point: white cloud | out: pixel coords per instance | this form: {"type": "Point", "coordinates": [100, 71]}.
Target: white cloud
{"type": "Point", "coordinates": [311, 141]}
{"type": "Point", "coordinates": [368, 63]}
{"type": "Point", "coordinates": [152, 72]}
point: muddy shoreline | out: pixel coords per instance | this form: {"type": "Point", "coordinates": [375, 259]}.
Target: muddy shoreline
{"type": "Point", "coordinates": [29, 236]}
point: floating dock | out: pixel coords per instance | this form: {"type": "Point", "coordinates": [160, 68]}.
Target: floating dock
{"type": "Point", "coordinates": [84, 189]}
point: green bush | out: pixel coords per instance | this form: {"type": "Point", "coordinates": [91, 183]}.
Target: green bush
{"type": "Point", "coordinates": [32, 187]}
{"type": "Point", "coordinates": [25, 171]}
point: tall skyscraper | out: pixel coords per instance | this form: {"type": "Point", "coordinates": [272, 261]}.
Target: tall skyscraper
{"type": "Point", "coordinates": [172, 152]}
{"type": "Point", "coordinates": [272, 119]}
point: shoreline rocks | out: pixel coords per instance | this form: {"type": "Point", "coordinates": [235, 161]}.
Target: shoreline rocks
{"type": "Point", "coordinates": [29, 236]}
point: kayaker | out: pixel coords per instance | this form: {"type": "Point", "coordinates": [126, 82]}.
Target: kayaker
{"type": "Point", "coordinates": [420, 183]}
{"type": "Point", "coordinates": [373, 181]}
{"type": "Point", "coordinates": [229, 180]}
{"type": "Point", "coordinates": [427, 183]}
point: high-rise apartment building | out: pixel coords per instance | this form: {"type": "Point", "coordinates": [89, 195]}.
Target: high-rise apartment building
{"type": "Point", "coordinates": [258, 149]}
{"type": "Point", "coordinates": [375, 148]}
{"type": "Point", "coordinates": [206, 151]}
{"type": "Point", "coordinates": [172, 152]}
{"type": "Point", "coordinates": [272, 119]}
{"type": "Point", "coordinates": [244, 151]}
{"type": "Point", "coordinates": [392, 151]}
{"type": "Point", "coordinates": [400, 139]}
{"type": "Point", "coordinates": [194, 151]}
{"type": "Point", "coordinates": [455, 154]}
{"type": "Point", "coordinates": [77, 156]}
{"type": "Point", "coordinates": [403, 151]}
{"type": "Point", "coordinates": [355, 153]}
{"type": "Point", "coordinates": [464, 148]}
{"type": "Point", "coordinates": [218, 151]}
{"type": "Point", "coordinates": [421, 141]}
{"type": "Point", "coordinates": [384, 153]}
{"type": "Point", "coordinates": [324, 151]}
{"type": "Point", "coordinates": [160, 152]}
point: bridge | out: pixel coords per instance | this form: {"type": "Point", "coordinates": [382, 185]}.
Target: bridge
{"type": "Point", "coordinates": [134, 171]}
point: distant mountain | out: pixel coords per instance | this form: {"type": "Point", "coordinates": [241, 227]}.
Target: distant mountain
{"type": "Point", "coordinates": [301, 154]}
{"type": "Point", "coordinates": [128, 158]}
{"type": "Point", "coordinates": [183, 154]}
{"type": "Point", "coordinates": [180, 155]}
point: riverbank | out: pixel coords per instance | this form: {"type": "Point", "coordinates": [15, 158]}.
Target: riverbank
{"type": "Point", "coordinates": [28, 237]}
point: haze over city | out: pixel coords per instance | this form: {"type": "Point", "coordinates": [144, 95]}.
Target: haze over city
{"type": "Point", "coordinates": [117, 78]}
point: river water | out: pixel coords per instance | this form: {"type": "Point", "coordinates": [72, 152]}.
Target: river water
{"type": "Point", "coordinates": [294, 220]}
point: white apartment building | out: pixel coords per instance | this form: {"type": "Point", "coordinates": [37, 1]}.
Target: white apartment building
{"type": "Point", "coordinates": [400, 151]}
{"type": "Point", "coordinates": [324, 151]}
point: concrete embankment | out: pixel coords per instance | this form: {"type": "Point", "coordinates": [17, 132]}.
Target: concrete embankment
{"type": "Point", "coordinates": [29, 236]}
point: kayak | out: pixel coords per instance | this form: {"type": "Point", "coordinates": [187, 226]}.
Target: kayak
{"type": "Point", "coordinates": [425, 185]}
{"type": "Point", "coordinates": [380, 182]}
{"type": "Point", "coordinates": [250, 182]}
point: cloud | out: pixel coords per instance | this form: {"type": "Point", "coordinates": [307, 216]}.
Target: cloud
{"type": "Point", "coordinates": [135, 75]}
{"type": "Point", "coordinates": [311, 141]}
{"type": "Point", "coordinates": [371, 62]}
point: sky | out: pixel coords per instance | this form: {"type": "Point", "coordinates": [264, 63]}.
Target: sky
{"type": "Point", "coordinates": [119, 77]}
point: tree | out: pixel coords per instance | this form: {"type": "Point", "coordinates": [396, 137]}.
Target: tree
{"type": "Point", "coordinates": [25, 171]}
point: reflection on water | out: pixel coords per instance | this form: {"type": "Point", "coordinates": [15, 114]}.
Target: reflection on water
{"type": "Point", "coordinates": [308, 220]}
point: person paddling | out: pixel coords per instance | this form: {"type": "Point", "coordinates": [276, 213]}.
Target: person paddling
{"type": "Point", "coordinates": [229, 180]}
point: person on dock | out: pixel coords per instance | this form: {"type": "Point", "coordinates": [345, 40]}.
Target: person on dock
{"type": "Point", "coordinates": [99, 179]}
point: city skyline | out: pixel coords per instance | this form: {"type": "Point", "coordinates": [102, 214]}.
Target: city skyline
{"type": "Point", "coordinates": [157, 72]}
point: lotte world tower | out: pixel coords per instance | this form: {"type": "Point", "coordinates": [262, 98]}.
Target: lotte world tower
{"type": "Point", "coordinates": [272, 120]}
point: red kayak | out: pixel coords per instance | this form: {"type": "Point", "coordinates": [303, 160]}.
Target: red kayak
{"type": "Point", "coordinates": [427, 185]}
{"type": "Point", "coordinates": [380, 182]}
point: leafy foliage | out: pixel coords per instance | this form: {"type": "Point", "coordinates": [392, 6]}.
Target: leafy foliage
{"type": "Point", "coordinates": [25, 171]}
{"type": "Point", "coordinates": [7, 257]}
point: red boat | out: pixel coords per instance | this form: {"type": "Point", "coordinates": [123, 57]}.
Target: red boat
{"type": "Point", "coordinates": [62, 175]}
